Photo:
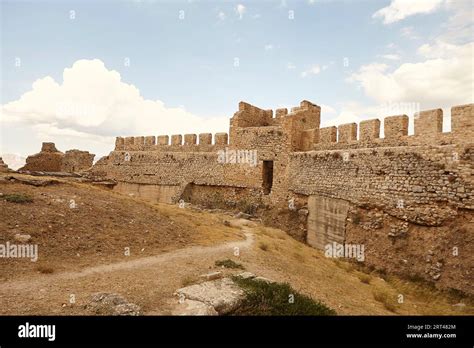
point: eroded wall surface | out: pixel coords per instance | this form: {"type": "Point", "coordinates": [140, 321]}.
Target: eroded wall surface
{"type": "Point", "coordinates": [326, 221]}
{"type": "Point", "coordinates": [51, 159]}
{"type": "Point", "coordinates": [409, 186]}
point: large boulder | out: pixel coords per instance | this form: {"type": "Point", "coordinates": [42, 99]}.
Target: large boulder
{"type": "Point", "coordinates": [222, 294]}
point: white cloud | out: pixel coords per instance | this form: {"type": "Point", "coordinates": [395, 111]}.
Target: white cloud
{"type": "Point", "coordinates": [14, 161]}
{"type": "Point", "coordinates": [443, 79]}
{"type": "Point", "coordinates": [460, 25]}
{"type": "Point", "coordinates": [389, 56]}
{"type": "Point", "coordinates": [409, 32]}
{"type": "Point", "coordinates": [290, 66]}
{"type": "Point", "coordinates": [240, 9]}
{"type": "Point", "coordinates": [351, 111]}
{"type": "Point", "coordinates": [221, 16]}
{"type": "Point", "coordinates": [401, 9]}
{"type": "Point", "coordinates": [268, 47]}
{"type": "Point", "coordinates": [441, 49]}
{"type": "Point", "coordinates": [327, 109]}
{"type": "Point", "coordinates": [314, 70]}
{"type": "Point", "coordinates": [92, 105]}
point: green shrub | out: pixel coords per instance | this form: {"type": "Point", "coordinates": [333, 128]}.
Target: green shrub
{"type": "Point", "coordinates": [356, 218]}
{"type": "Point", "coordinates": [228, 263]}
{"type": "Point", "coordinates": [18, 198]}
{"type": "Point", "coordinates": [263, 298]}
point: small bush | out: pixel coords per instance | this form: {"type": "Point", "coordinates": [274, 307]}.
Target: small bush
{"type": "Point", "coordinates": [45, 269]}
{"type": "Point", "coordinates": [228, 264]}
{"type": "Point", "coordinates": [386, 299]}
{"type": "Point", "coordinates": [263, 298]}
{"type": "Point", "coordinates": [18, 198]}
{"type": "Point", "coordinates": [365, 278]}
{"type": "Point", "coordinates": [247, 208]}
{"type": "Point", "coordinates": [299, 257]}
{"type": "Point", "coordinates": [188, 280]}
{"type": "Point", "coordinates": [356, 218]}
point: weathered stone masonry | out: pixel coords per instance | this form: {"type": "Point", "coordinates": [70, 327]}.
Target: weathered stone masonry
{"type": "Point", "coordinates": [51, 159]}
{"type": "Point", "coordinates": [317, 183]}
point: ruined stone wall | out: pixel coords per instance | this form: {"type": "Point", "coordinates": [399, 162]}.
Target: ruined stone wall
{"type": "Point", "coordinates": [51, 159]}
{"type": "Point", "coordinates": [76, 161]}
{"type": "Point", "coordinates": [178, 168]}
{"type": "Point", "coordinates": [409, 188]}
{"type": "Point", "coordinates": [418, 177]}
{"type": "Point", "coordinates": [48, 160]}
{"type": "Point", "coordinates": [428, 167]}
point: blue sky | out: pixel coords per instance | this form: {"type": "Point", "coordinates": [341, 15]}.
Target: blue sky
{"type": "Point", "coordinates": [183, 54]}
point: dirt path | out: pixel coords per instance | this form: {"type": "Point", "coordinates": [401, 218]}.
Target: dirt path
{"type": "Point", "coordinates": [151, 281]}
{"type": "Point", "coordinates": [151, 261]}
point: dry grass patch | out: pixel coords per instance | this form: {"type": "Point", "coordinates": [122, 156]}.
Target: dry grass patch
{"type": "Point", "coordinates": [208, 229]}
{"type": "Point", "coordinates": [364, 278]}
{"type": "Point", "coordinates": [346, 266]}
{"type": "Point", "coordinates": [387, 298]}
{"type": "Point", "coordinates": [188, 280]}
{"type": "Point", "coordinates": [44, 269]}
{"type": "Point", "coordinates": [298, 256]}
{"type": "Point", "coordinates": [429, 300]}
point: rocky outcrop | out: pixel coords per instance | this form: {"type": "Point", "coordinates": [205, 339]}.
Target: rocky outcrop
{"type": "Point", "coordinates": [112, 304]}
{"type": "Point", "coordinates": [213, 297]}
{"type": "Point", "coordinates": [3, 167]}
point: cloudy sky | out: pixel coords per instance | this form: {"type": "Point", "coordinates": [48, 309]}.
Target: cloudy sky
{"type": "Point", "coordinates": [80, 73]}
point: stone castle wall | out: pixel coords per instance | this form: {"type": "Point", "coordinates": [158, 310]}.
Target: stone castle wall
{"type": "Point", "coordinates": [429, 166]}
{"type": "Point", "coordinates": [318, 176]}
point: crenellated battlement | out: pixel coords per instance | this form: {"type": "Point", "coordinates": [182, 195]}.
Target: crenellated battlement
{"type": "Point", "coordinates": [299, 130]}
{"type": "Point", "coordinates": [428, 130]}
{"type": "Point", "coordinates": [186, 142]}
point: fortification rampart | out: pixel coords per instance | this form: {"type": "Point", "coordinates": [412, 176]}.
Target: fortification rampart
{"type": "Point", "coordinates": [293, 142]}
{"type": "Point", "coordinates": [313, 181]}
{"type": "Point", "coordinates": [428, 127]}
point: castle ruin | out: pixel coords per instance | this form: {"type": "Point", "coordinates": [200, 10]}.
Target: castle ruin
{"type": "Point", "coordinates": [342, 184]}
{"type": "Point", "coordinates": [51, 159]}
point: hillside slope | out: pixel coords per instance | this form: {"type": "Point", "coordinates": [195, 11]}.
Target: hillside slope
{"type": "Point", "coordinates": [81, 252]}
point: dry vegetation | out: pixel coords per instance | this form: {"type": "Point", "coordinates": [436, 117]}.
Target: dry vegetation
{"type": "Point", "coordinates": [98, 230]}
{"type": "Point", "coordinates": [347, 286]}
{"type": "Point", "coordinates": [105, 222]}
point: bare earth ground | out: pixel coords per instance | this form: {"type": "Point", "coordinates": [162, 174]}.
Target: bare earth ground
{"type": "Point", "coordinates": [83, 248]}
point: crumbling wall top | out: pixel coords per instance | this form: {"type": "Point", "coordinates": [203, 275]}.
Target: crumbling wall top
{"type": "Point", "coordinates": [48, 147]}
